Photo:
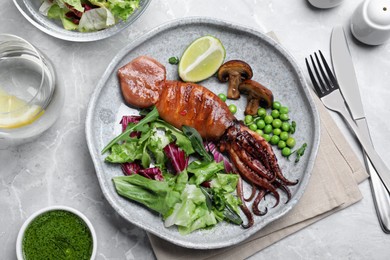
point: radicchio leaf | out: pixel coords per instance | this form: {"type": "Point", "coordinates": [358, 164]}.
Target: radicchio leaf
{"type": "Point", "coordinates": [218, 156]}
{"type": "Point", "coordinates": [129, 119]}
{"type": "Point", "coordinates": [136, 168]}
{"type": "Point", "coordinates": [152, 173]}
{"type": "Point", "coordinates": [131, 168]}
{"type": "Point", "coordinates": [126, 120]}
{"type": "Point", "coordinates": [177, 157]}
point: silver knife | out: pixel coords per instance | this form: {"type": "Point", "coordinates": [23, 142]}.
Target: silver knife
{"type": "Point", "coordinates": [346, 77]}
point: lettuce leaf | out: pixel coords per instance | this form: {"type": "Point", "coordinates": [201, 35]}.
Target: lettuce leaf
{"type": "Point", "coordinates": [101, 3]}
{"type": "Point", "coordinates": [224, 182]}
{"type": "Point", "coordinates": [45, 7]}
{"type": "Point", "coordinates": [192, 213]}
{"type": "Point", "coordinates": [56, 12]}
{"type": "Point", "coordinates": [156, 195]}
{"type": "Point", "coordinates": [96, 19]}
{"type": "Point", "coordinates": [76, 4]}
{"type": "Point", "coordinates": [203, 171]}
{"type": "Point", "coordinates": [126, 152]}
{"type": "Point", "coordinates": [123, 8]}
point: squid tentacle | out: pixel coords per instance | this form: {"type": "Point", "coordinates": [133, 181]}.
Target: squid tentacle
{"type": "Point", "coordinates": [256, 165]}
{"type": "Point", "coordinates": [253, 193]}
{"type": "Point", "coordinates": [284, 188]}
{"type": "Point", "coordinates": [255, 205]}
{"type": "Point", "coordinates": [248, 174]}
{"type": "Point", "coordinates": [273, 160]}
{"type": "Point", "coordinates": [243, 206]}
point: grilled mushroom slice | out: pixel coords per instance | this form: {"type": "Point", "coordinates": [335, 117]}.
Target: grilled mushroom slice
{"type": "Point", "coordinates": [258, 95]}
{"type": "Point", "coordinates": [234, 71]}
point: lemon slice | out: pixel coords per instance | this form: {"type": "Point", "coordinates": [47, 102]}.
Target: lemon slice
{"type": "Point", "coordinates": [15, 112]}
{"type": "Point", "coordinates": [201, 59]}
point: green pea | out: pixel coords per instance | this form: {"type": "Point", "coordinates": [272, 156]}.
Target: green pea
{"type": "Point", "coordinates": [286, 126]}
{"type": "Point", "coordinates": [260, 124]}
{"type": "Point", "coordinates": [284, 136]}
{"type": "Point", "coordinates": [284, 117]}
{"type": "Point", "coordinates": [277, 123]}
{"type": "Point", "coordinates": [290, 142]}
{"type": "Point", "coordinates": [222, 97]}
{"type": "Point", "coordinates": [267, 129]}
{"type": "Point", "coordinates": [248, 119]}
{"type": "Point", "coordinates": [277, 131]}
{"type": "Point", "coordinates": [276, 105]}
{"type": "Point", "coordinates": [286, 151]}
{"type": "Point", "coordinates": [260, 132]}
{"type": "Point", "coordinates": [268, 119]}
{"type": "Point", "coordinates": [283, 110]}
{"type": "Point", "coordinates": [267, 137]}
{"type": "Point", "coordinates": [275, 113]}
{"type": "Point", "coordinates": [274, 139]}
{"type": "Point", "coordinates": [281, 144]}
{"type": "Point", "coordinates": [233, 108]}
{"type": "Point", "coordinates": [253, 127]}
{"type": "Point", "coordinates": [261, 112]}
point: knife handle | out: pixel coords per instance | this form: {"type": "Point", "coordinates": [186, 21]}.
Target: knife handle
{"type": "Point", "coordinates": [380, 195]}
{"type": "Point", "coordinates": [375, 159]}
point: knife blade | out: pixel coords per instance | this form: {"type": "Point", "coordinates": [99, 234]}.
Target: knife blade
{"type": "Point", "coordinates": [346, 76]}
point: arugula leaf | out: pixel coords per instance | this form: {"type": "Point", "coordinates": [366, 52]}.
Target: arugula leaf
{"type": "Point", "coordinates": [152, 116]}
{"type": "Point", "coordinates": [181, 139]}
{"type": "Point", "coordinates": [197, 142]}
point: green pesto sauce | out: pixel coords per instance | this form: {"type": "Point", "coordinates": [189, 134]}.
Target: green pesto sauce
{"type": "Point", "coordinates": [57, 234]}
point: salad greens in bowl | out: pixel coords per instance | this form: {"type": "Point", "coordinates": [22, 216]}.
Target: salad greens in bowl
{"type": "Point", "coordinates": [81, 20]}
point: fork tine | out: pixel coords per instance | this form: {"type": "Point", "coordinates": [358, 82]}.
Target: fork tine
{"type": "Point", "coordinates": [319, 78]}
{"type": "Point", "coordinates": [329, 71]}
{"type": "Point", "coordinates": [317, 88]}
{"type": "Point", "coordinates": [328, 85]}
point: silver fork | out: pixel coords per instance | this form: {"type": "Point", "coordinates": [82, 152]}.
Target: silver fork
{"type": "Point", "coordinates": [327, 89]}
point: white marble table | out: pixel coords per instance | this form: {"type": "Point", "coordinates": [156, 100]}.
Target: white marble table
{"type": "Point", "coordinates": [57, 168]}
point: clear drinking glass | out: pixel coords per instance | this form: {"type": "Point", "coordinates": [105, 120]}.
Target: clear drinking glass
{"type": "Point", "coordinates": [29, 99]}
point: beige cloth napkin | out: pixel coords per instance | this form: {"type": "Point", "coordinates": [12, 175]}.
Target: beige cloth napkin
{"type": "Point", "coordinates": [332, 187]}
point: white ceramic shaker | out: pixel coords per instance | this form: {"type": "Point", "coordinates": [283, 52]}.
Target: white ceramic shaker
{"type": "Point", "coordinates": [324, 4]}
{"type": "Point", "coordinates": [370, 22]}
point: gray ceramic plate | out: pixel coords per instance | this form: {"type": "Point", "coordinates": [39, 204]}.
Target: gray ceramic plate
{"type": "Point", "coordinates": [30, 10]}
{"type": "Point", "coordinates": [272, 66]}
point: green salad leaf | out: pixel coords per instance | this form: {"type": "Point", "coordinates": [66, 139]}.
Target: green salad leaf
{"type": "Point", "coordinates": [123, 8]}
{"type": "Point", "coordinates": [197, 142]}
{"type": "Point", "coordinates": [88, 15]}
{"type": "Point", "coordinates": [96, 19]}
{"type": "Point", "coordinates": [76, 4]}
{"type": "Point", "coordinates": [204, 171]}
{"type": "Point", "coordinates": [152, 116]}
{"type": "Point", "coordinates": [192, 212]}
{"type": "Point", "coordinates": [156, 195]}
{"type": "Point", "coordinates": [180, 198]}
{"type": "Point", "coordinates": [56, 12]}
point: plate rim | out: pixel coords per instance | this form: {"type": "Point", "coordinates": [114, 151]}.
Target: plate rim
{"type": "Point", "coordinates": [221, 23]}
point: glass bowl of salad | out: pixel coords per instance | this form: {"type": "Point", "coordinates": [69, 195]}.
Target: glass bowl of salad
{"type": "Point", "coordinates": [81, 20]}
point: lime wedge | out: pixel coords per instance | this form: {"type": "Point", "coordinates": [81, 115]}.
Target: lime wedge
{"type": "Point", "coordinates": [15, 112]}
{"type": "Point", "coordinates": [201, 59]}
